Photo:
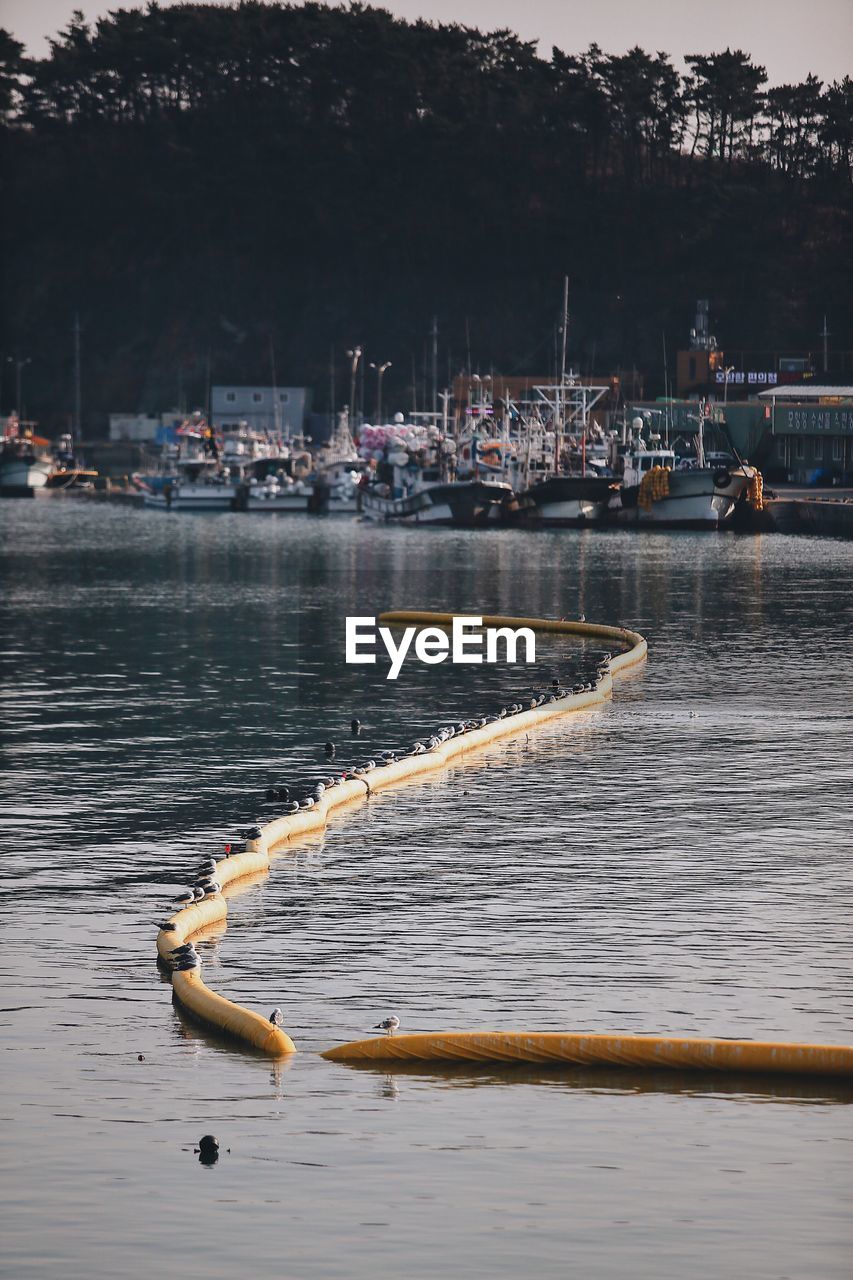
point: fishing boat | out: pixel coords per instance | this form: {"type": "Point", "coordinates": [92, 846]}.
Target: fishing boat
{"type": "Point", "coordinates": [659, 489]}
{"type": "Point", "coordinates": [423, 476]}
{"type": "Point", "coordinates": [560, 466]}
{"type": "Point", "coordinates": [25, 459]}
{"type": "Point", "coordinates": [198, 485]}
{"type": "Point", "coordinates": [68, 472]}
{"type": "Point", "coordinates": [276, 492]}
{"type": "Point", "coordinates": [467, 504]}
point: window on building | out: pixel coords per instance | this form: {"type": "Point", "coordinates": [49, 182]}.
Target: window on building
{"type": "Point", "coordinates": [284, 396]}
{"type": "Point", "coordinates": [257, 397]}
{"type": "Point", "coordinates": [817, 448]}
{"type": "Point", "coordinates": [837, 449]}
{"type": "Point", "coordinates": [780, 448]}
{"type": "Point", "coordinates": [801, 447]}
{"type": "Point", "coordinates": [231, 397]}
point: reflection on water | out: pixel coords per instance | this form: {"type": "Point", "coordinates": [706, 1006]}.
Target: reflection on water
{"type": "Point", "coordinates": [675, 861]}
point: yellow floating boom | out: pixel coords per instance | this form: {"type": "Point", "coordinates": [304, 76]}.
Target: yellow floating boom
{"type": "Point", "coordinates": [552, 1048]}
{"type": "Point", "coordinates": [542, 1048]}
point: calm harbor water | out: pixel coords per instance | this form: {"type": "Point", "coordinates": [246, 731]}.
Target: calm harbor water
{"type": "Point", "coordinates": [678, 861]}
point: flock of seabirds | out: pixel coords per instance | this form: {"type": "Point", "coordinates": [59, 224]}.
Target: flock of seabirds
{"type": "Point", "coordinates": [587, 671]}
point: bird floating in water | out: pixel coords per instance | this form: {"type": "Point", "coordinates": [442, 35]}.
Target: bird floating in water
{"type": "Point", "coordinates": [284, 793]}
{"type": "Point", "coordinates": [277, 1018]}
{"type": "Point", "coordinates": [355, 727]}
{"type": "Point", "coordinates": [329, 749]}
{"type": "Point", "coordinates": [208, 1149]}
{"type": "Point", "coordinates": [388, 1025]}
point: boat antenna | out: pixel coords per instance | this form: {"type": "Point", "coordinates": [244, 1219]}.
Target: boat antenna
{"type": "Point", "coordinates": [435, 368]}
{"type": "Point", "coordinates": [665, 390]}
{"type": "Point", "coordinates": [565, 329]}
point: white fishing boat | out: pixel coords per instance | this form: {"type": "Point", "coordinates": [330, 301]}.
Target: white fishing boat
{"type": "Point", "coordinates": [658, 489]}
{"type": "Point", "coordinates": [277, 493]}
{"type": "Point", "coordinates": [197, 486]}
{"type": "Point", "coordinates": [344, 482]}
{"type": "Point", "coordinates": [25, 459]}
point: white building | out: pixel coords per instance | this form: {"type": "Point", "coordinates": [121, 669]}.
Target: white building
{"type": "Point", "coordinates": [137, 427]}
{"type": "Point", "coordinates": [278, 409]}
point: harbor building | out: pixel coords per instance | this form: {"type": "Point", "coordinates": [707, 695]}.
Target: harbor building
{"type": "Point", "coordinates": [281, 410]}
{"type": "Point", "coordinates": [800, 434]}
{"type": "Point", "coordinates": [812, 433]}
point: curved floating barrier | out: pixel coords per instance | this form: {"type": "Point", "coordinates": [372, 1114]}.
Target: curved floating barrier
{"type": "Point", "coordinates": [549, 1048]}
{"type": "Point", "coordinates": [505, 1047]}
{"type": "Point", "coordinates": [233, 1019]}
{"type": "Point", "coordinates": [188, 988]}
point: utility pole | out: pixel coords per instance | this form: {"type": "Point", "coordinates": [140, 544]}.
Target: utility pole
{"type": "Point", "coordinates": [78, 399]}
{"type": "Point", "coordinates": [435, 367]}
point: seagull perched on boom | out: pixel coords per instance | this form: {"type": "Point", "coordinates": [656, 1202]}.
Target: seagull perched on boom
{"type": "Point", "coordinates": [388, 1025]}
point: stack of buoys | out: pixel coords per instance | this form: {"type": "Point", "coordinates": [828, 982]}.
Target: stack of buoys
{"type": "Point", "coordinates": [755, 490]}
{"type": "Point", "coordinates": [653, 486]}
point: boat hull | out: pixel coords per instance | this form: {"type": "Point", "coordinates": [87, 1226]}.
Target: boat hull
{"type": "Point", "coordinates": [464, 504]}
{"type": "Point", "coordinates": [567, 501]}
{"type": "Point", "coordinates": [193, 498]}
{"type": "Point", "coordinates": [696, 500]}
{"type": "Point", "coordinates": [296, 504]}
{"type": "Point", "coordinates": [21, 476]}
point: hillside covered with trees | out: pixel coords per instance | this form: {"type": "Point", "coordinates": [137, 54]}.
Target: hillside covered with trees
{"type": "Point", "coordinates": [202, 183]}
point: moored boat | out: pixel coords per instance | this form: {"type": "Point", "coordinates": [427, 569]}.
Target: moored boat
{"type": "Point", "coordinates": [464, 503]}
{"type": "Point", "coordinates": [25, 460]}
{"type": "Point", "coordinates": [197, 486]}
{"type": "Point", "coordinates": [656, 491]}
{"type": "Point", "coordinates": [568, 500]}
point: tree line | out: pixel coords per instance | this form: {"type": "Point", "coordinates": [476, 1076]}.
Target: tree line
{"type": "Point", "coordinates": [199, 179]}
{"type": "Point", "coordinates": [358, 68]}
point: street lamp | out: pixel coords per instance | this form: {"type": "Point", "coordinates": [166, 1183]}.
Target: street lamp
{"type": "Point", "coordinates": [380, 372]}
{"type": "Point", "coordinates": [354, 355]}
{"type": "Point", "coordinates": [726, 372]}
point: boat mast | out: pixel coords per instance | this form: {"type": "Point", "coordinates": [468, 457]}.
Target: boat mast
{"type": "Point", "coordinates": [558, 437]}
{"type": "Point", "coordinates": [78, 399]}
{"type": "Point", "coordinates": [435, 368]}
{"type": "Point", "coordinates": [276, 407]}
